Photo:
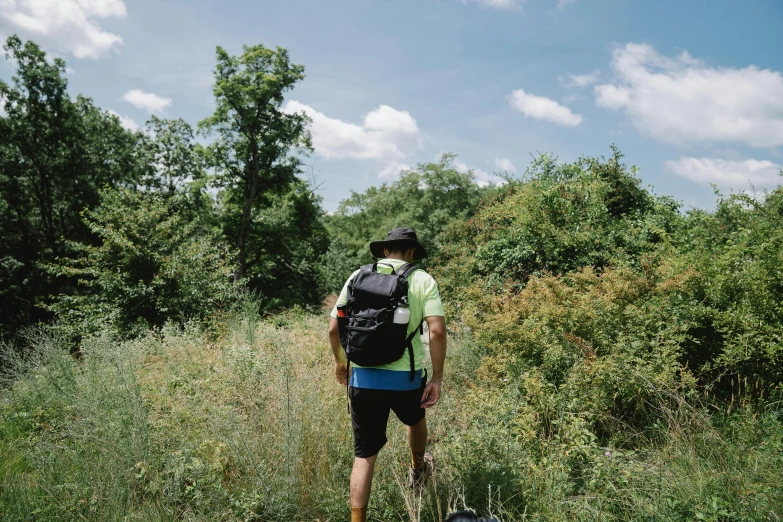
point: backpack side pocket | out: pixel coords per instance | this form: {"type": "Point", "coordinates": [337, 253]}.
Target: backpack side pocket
{"type": "Point", "coordinates": [342, 324]}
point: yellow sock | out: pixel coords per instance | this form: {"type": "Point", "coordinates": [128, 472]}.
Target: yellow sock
{"type": "Point", "coordinates": [358, 514]}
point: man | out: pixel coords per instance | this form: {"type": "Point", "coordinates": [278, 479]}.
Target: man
{"type": "Point", "coordinates": [377, 390]}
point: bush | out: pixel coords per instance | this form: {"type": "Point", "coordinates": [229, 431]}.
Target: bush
{"type": "Point", "coordinates": [151, 266]}
{"type": "Point", "coordinates": [597, 287]}
{"type": "Point", "coordinates": [735, 340]}
{"type": "Point", "coordinates": [558, 218]}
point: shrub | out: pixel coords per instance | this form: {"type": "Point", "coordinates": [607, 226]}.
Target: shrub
{"type": "Point", "coordinates": [151, 266]}
{"type": "Point", "coordinates": [578, 276]}
{"type": "Point", "coordinates": [558, 218]}
{"type": "Point", "coordinates": [735, 340]}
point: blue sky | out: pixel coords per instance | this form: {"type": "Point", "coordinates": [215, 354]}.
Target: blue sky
{"type": "Point", "coordinates": [690, 91]}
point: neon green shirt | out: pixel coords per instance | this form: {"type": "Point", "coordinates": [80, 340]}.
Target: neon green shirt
{"type": "Point", "coordinates": [424, 301]}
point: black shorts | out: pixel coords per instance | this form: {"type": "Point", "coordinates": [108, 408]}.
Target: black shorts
{"type": "Point", "coordinates": [370, 413]}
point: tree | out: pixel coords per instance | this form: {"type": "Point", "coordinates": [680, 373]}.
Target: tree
{"type": "Point", "coordinates": [254, 154]}
{"type": "Point", "coordinates": [428, 199]}
{"type": "Point", "coordinates": [558, 218]}
{"type": "Point", "coordinates": [55, 154]}
{"type": "Point", "coordinates": [173, 155]}
{"type": "Point", "coordinates": [176, 167]}
{"type": "Point", "coordinates": [284, 265]}
{"type": "Point", "coordinates": [151, 264]}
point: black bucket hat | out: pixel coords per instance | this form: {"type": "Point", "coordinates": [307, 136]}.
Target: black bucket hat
{"type": "Point", "coordinates": [396, 237]}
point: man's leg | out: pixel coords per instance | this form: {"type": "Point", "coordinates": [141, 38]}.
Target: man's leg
{"type": "Point", "coordinates": [417, 439]}
{"type": "Point", "coordinates": [361, 482]}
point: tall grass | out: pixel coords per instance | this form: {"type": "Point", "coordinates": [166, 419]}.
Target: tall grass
{"type": "Point", "coordinates": [252, 426]}
{"type": "Point", "coordinates": [73, 434]}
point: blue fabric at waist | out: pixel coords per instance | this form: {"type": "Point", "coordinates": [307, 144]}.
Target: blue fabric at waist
{"type": "Point", "coordinates": [380, 379]}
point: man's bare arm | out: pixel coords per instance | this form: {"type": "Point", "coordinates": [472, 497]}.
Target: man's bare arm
{"type": "Point", "coordinates": [437, 327]}
{"type": "Point", "coordinates": [340, 361]}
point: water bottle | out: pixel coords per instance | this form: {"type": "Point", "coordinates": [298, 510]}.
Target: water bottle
{"type": "Point", "coordinates": [402, 314]}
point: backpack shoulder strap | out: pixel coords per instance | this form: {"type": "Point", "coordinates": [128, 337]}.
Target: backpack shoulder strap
{"type": "Point", "coordinates": [409, 345]}
{"type": "Point", "coordinates": [407, 269]}
{"type": "Point", "coordinates": [373, 267]}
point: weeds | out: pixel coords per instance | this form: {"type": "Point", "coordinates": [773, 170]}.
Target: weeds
{"type": "Point", "coordinates": [252, 427]}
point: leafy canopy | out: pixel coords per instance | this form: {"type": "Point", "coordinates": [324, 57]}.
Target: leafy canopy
{"type": "Point", "coordinates": [254, 155]}
{"type": "Point", "coordinates": [152, 265]}
{"type": "Point", "coordinates": [427, 199]}
{"type": "Point", "coordinates": [55, 154]}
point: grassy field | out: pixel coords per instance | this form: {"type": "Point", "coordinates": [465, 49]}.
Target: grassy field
{"type": "Point", "coordinates": [250, 425]}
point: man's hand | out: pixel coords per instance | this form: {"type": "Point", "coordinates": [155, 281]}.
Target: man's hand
{"type": "Point", "coordinates": [431, 395]}
{"type": "Point", "coordinates": [341, 372]}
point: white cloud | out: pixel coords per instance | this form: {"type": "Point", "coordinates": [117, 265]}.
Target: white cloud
{"type": "Point", "coordinates": [386, 134]}
{"type": "Point", "coordinates": [682, 100]}
{"type": "Point", "coordinates": [504, 5]}
{"type": "Point", "coordinates": [541, 108]}
{"type": "Point", "coordinates": [505, 165]}
{"type": "Point", "coordinates": [612, 97]}
{"type": "Point", "coordinates": [148, 101]}
{"type": "Point", "coordinates": [582, 80]}
{"type": "Point", "coordinates": [125, 121]}
{"type": "Point", "coordinates": [514, 5]}
{"type": "Point", "coordinates": [482, 178]}
{"type": "Point", "coordinates": [728, 173]}
{"type": "Point", "coordinates": [387, 119]}
{"type": "Point", "coordinates": [393, 170]}
{"type": "Point", "coordinates": [67, 25]}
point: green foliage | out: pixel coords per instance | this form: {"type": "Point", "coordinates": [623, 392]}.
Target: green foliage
{"type": "Point", "coordinates": [559, 218]}
{"type": "Point", "coordinates": [252, 426]}
{"type": "Point", "coordinates": [55, 154]}
{"type": "Point", "coordinates": [735, 303]}
{"type": "Point", "coordinates": [151, 266]}
{"type": "Point", "coordinates": [427, 199]}
{"type": "Point", "coordinates": [283, 259]}
{"type": "Point", "coordinates": [176, 167]}
{"type": "Point", "coordinates": [76, 431]}
{"type": "Point", "coordinates": [255, 154]}
{"type": "Point", "coordinates": [596, 342]}
{"type": "Point", "coordinates": [603, 293]}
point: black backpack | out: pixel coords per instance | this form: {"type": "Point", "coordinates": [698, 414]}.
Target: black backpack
{"type": "Point", "coordinates": [366, 321]}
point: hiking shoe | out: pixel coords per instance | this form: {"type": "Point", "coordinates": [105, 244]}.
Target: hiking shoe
{"type": "Point", "coordinates": [417, 478]}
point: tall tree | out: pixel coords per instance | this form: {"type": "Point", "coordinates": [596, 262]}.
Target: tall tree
{"type": "Point", "coordinates": [255, 153]}
{"type": "Point", "coordinates": [177, 167]}
{"type": "Point", "coordinates": [55, 154]}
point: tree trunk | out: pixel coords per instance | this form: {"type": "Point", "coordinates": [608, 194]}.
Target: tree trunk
{"type": "Point", "coordinates": [251, 192]}
{"type": "Point", "coordinates": [46, 208]}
